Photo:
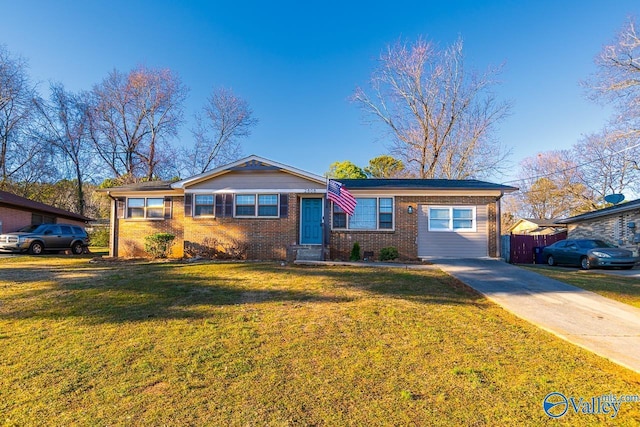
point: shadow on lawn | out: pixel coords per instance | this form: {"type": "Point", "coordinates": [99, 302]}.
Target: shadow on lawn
{"type": "Point", "coordinates": [125, 292]}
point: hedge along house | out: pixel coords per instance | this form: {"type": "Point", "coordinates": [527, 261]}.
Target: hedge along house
{"type": "Point", "coordinates": [256, 208]}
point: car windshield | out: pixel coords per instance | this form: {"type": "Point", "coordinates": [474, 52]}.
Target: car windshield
{"type": "Point", "coordinates": [31, 228]}
{"type": "Point", "coordinates": [590, 244]}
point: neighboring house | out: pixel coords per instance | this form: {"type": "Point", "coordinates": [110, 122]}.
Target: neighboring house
{"type": "Point", "coordinates": [256, 208]}
{"type": "Point", "coordinates": [618, 224]}
{"type": "Point", "coordinates": [537, 227]}
{"type": "Point", "coordinates": [17, 212]}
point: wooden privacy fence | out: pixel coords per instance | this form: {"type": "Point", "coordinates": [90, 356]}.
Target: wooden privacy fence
{"type": "Point", "coordinates": [523, 248]}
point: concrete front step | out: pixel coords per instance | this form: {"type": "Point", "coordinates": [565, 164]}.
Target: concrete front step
{"type": "Point", "coordinates": [309, 253]}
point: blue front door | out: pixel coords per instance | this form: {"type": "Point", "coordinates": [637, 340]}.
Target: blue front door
{"type": "Point", "coordinates": [311, 222]}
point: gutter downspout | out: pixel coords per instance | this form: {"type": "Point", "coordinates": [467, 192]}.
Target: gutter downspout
{"type": "Point", "coordinates": [498, 227]}
{"type": "Point", "coordinates": [113, 235]}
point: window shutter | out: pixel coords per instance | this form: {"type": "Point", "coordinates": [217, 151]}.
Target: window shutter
{"type": "Point", "coordinates": [187, 205]}
{"type": "Point", "coordinates": [224, 205]}
{"type": "Point", "coordinates": [219, 212]}
{"type": "Point", "coordinates": [120, 208]}
{"type": "Point", "coordinates": [167, 208]}
{"type": "Point", "coordinates": [284, 205]}
{"type": "Point", "coordinates": [228, 205]}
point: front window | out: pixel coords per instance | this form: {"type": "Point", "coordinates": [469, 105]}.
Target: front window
{"type": "Point", "coordinates": [245, 205]}
{"type": "Point", "coordinates": [155, 208]}
{"type": "Point", "coordinates": [257, 205]}
{"type": "Point", "coordinates": [145, 208]}
{"type": "Point", "coordinates": [268, 205]}
{"type": "Point", "coordinates": [451, 218]}
{"type": "Point", "coordinates": [203, 205]}
{"type": "Point", "coordinates": [371, 213]}
{"type": "Point", "coordinates": [364, 217]}
{"type": "Point", "coordinates": [135, 208]}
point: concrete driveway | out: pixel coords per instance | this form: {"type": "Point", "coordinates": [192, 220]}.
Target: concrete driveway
{"type": "Point", "coordinates": [608, 328]}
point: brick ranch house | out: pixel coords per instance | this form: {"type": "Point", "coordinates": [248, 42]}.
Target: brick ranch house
{"type": "Point", "coordinates": [17, 212]}
{"type": "Point", "coordinates": [256, 208]}
{"type": "Point", "coordinates": [618, 225]}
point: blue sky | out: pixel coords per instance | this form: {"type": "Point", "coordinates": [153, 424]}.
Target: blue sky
{"type": "Point", "coordinates": [297, 63]}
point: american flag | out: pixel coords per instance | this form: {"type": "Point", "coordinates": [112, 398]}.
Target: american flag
{"type": "Point", "coordinates": [341, 197]}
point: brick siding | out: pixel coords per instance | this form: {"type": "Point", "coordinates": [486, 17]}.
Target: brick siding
{"type": "Point", "coordinates": [14, 219]}
{"type": "Point", "coordinates": [404, 238]}
{"type": "Point", "coordinates": [611, 229]}
{"type": "Point", "coordinates": [257, 238]}
{"type": "Point", "coordinates": [270, 238]}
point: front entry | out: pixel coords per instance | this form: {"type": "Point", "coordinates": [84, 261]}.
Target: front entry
{"type": "Point", "coordinates": [311, 221]}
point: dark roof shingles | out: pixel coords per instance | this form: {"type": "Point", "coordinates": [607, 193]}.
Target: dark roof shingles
{"type": "Point", "coordinates": [11, 199]}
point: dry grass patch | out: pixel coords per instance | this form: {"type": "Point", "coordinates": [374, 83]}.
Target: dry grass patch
{"type": "Point", "coordinates": [616, 287]}
{"type": "Point", "coordinates": [255, 344]}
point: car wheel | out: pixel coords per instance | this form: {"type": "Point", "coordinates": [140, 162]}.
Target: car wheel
{"type": "Point", "coordinates": [77, 248]}
{"type": "Point", "coordinates": [36, 248]}
{"type": "Point", "coordinates": [551, 260]}
{"type": "Point", "coordinates": [585, 264]}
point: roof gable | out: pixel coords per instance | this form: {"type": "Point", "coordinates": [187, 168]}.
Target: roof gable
{"type": "Point", "coordinates": [248, 164]}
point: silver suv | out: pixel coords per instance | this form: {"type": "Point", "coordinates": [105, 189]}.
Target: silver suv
{"type": "Point", "coordinates": [36, 239]}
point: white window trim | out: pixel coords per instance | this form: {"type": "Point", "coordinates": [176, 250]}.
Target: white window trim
{"type": "Point", "coordinates": [450, 229]}
{"type": "Point", "coordinates": [144, 208]}
{"type": "Point", "coordinates": [256, 205]}
{"type": "Point", "coordinates": [194, 205]}
{"type": "Point", "coordinates": [360, 230]}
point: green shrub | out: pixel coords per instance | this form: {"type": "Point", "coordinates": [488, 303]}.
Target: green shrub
{"type": "Point", "coordinates": [158, 245]}
{"type": "Point", "coordinates": [355, 252]}
{"type": "Point", "coordinates": [388, 253]}
{"type": "Point", "coordinates": [99, 236]}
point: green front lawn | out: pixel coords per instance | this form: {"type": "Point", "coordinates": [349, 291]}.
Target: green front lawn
{"type": "Point", "coordinates": [117, 343]}
{"type": "Point", "coordinates": [619, 288]}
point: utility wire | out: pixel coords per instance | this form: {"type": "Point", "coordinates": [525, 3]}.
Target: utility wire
{"type": "Point", "coordinates": [573, 167]}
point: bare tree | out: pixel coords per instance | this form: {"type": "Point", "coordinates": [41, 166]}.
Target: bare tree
{"type": "Point", "coordinates": [440, 117]}
{"type": "Point", "coordinates": [18, 152]}
{"type": "Point", "coordinates": [132, 118]}
{"type": "Point", "coordinates": [64, 124]}
{"type": "Point", "coordinates": [223, 122]}
{"type": "Point", "coordinates": [551, 186]}
{"type": "Point", "coordinates": [617, 81]}
{"type": "Point", "coordinates": [608, 164]}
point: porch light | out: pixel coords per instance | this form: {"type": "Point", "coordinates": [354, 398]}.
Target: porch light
{"type": "Point", "coordinates": [410, 210]}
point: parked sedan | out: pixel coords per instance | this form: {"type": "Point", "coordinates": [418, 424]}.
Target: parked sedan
{"type": "Point", "coordinates": [588, 253]}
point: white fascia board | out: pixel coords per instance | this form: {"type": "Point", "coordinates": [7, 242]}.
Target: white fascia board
{"type": "Point", "coordinates": [306, 191]}
{"type": "Point", "coordinates": [144, 193]}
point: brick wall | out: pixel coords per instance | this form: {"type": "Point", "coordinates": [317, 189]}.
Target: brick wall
{"type": "Point", "coordinates": [132, 232]}
{"type": "Point", "coordinates": [256, 238]}
{"type": "Point", "coordinates": [13, 219]}
{"type": "Point", "coordinates": [611, 229]}
{"type": "Point", "coordinates": [404, 238]}
{"type": "Point", "coordinates": [270, 238]}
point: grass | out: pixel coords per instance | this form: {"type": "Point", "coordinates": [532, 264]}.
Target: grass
{"type": "Point", "coordinates": [115, 343]}
{"type": "Point", "coordinates": [619, 288]}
